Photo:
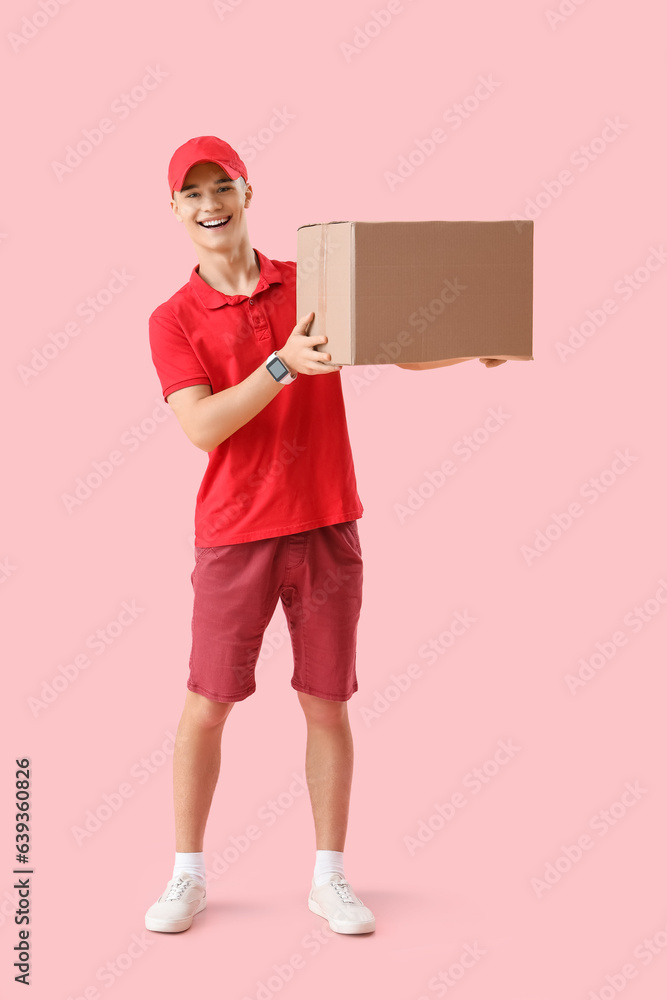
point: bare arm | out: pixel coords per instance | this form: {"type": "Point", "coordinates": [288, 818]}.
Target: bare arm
{"type": "Point", "coordinates": [209, 418]}
{"type": "Point", "coordinates": [422, 365]}
{"type": "Point", "coordinates": [418, 366]}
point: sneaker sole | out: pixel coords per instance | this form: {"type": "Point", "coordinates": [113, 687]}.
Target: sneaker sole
{"type": "Point", "coordinates": [342, 928]}
{"type": "Point", "coordinates": [173, 926]}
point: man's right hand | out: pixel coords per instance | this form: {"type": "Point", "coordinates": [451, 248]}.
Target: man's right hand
{"type": "Point", "coordinates": [299, 354]}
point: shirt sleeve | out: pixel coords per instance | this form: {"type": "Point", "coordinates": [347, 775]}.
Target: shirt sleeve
{"type": "Point", "coordinates": [175, 361]}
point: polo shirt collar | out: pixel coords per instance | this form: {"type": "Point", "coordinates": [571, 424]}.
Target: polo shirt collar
{"type": "Point", "coordinates": [213, 299]}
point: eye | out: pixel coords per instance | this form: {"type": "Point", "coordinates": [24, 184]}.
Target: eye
{"type": "Point", "coordinates": [195, 194]}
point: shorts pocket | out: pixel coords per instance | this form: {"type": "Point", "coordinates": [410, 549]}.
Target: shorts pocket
{"type": "Point", "coordinates": [352, 534]}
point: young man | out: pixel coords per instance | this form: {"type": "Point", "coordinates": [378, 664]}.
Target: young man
{"type": "Point", "coordinates": [275, 517]}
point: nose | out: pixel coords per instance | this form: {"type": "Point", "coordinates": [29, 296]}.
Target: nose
{"type": "Point", "coordinates": [211, 202]}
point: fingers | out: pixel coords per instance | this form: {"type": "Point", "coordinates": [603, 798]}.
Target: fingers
{"type": "Point", "coordinates": [320, 362]}
{"type": "Point", "coordinates": [305, 321]}
{"type": "Point", "coordinates": [323, 362]}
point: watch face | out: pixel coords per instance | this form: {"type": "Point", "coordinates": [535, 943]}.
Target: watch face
{"type": "Point", "coordinates": [277, 368]}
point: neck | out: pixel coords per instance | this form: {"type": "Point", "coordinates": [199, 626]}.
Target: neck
{"type": "Point", "coordinates": [233, 272]}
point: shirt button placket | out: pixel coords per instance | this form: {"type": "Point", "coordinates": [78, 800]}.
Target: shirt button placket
{"type": "Point", "coordinates": [259, 323]}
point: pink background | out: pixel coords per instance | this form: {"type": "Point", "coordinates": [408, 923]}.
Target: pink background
{"type": "Point", "coordinates": [470, 889]}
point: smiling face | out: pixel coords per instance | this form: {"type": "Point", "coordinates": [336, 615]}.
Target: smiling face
{"type": "Point", "coordinates": [212, 206]}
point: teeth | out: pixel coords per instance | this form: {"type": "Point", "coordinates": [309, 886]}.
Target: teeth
{"type": "Point", "coordinates": [215, 222]}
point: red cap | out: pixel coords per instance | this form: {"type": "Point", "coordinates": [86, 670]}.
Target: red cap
{"type": "Point", "coordinates": [204, 149]}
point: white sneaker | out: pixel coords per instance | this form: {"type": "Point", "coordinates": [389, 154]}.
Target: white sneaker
{"type": "Point", "coordinates": [184, 896]}
{"type": "Point", "coordinates": [336, 902]}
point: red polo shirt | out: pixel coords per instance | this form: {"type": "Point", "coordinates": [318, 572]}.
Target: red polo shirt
{"type": "Point", "coordinates": [290, 467]}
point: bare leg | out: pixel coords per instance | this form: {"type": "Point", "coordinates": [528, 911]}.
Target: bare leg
{"type": "Point", "coordinates": [196, 767]}
{"type": "Point", "coordinates": [329, 764]}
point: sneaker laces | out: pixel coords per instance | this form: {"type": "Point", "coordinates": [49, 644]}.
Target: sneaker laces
{"type": "Point", "coordinates": [177, 888]}
{"type": "Point", "coordinates": [344, 890]}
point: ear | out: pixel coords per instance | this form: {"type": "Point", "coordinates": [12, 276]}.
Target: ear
{"type": "Point", "coordinates": [248, 195]}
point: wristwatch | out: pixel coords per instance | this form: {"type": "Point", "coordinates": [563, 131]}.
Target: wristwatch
{"type": "Point", "coordinates": [279, 370]}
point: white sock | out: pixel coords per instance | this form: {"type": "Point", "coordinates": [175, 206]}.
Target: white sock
{"type": "Point", "coordinates": [326, 863]}
{"type": "Point", "coordinates": [193, 864]}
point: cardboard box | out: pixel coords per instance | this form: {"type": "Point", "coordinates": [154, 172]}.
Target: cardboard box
{"type": "Point", "coordinates": [393, 292]}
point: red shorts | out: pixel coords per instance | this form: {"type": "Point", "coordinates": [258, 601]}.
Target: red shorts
{"type": "Point", "coordinates": [318, 576]}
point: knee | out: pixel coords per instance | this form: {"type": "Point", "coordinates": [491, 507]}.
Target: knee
{"type": "Point", "coordinates": [322, 712]}
{"type": "Point", "coordinates": [205, 713]}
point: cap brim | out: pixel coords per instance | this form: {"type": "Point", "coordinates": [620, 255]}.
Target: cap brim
{"type": "Point", "coordinates": [180, 181]}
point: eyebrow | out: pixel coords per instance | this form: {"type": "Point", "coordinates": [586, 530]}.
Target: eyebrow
{"type": "Point", "coordinates": [221, 180]}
